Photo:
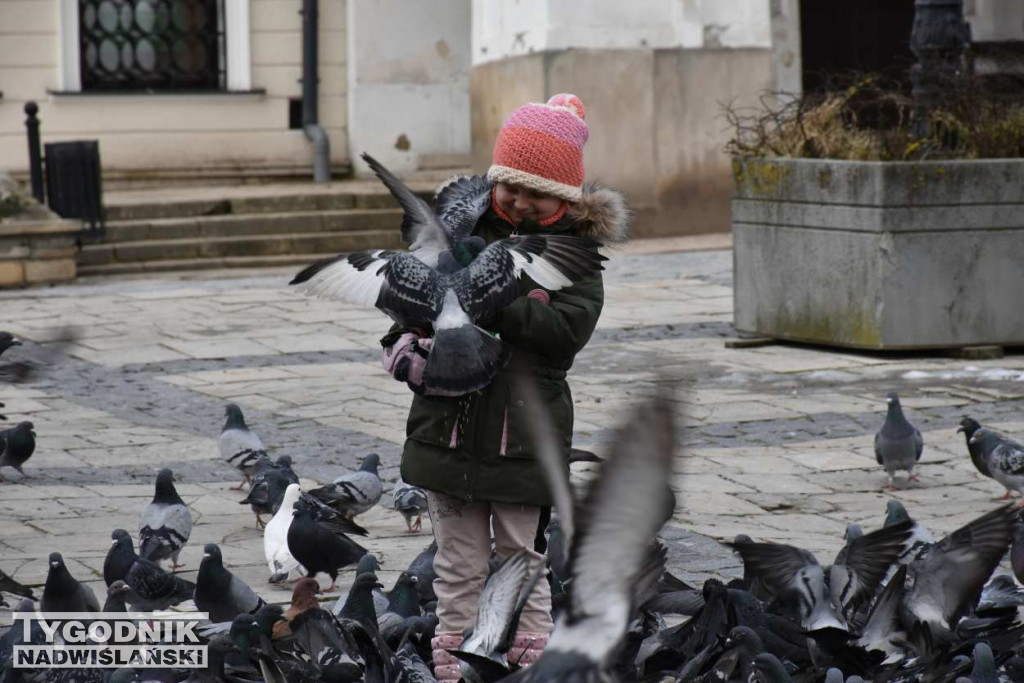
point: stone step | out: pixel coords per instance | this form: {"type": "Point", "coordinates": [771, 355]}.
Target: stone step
{"type": "Point", "coordinates": [247, 201]}
{"type": "Point", "coordinates": [235, 225]}
{"type": "Point", "coordinates": [156, 250]}
{"type": "Point", "coordinates": [174, 265]}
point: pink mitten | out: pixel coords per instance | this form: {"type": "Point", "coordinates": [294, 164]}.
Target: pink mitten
{"type": "Point", "coordinates": [406, 358]}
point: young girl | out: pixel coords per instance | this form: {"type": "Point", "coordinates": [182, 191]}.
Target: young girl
{"type": "Point", "coordinates": [473, 453]}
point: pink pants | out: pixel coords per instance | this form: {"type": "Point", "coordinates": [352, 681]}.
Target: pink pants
{"type": "Point", "coordinates": [463, 533]}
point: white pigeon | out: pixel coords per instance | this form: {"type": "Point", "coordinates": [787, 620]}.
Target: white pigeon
{"type": "Point", "coordinates": [275, 538]}
{"type": "Point", "coordinates": [166, 523]}
{"type": "Point", "coordinates": [411, 501]}
{"type": "Point", "coordinates": [240, 447]}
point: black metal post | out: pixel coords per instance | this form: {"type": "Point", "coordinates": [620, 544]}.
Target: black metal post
{"type": "Point", "coordinates": [310, 92]}
{"type": "Point", "coordinates": [35, 155]}
{"type": "Point", "coordinates": [939, 39]}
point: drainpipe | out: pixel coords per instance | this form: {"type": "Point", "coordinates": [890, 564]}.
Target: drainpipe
{"type": "Point", "coordinates": [310, 88]}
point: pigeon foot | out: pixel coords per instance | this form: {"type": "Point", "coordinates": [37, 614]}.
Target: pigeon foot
{"type": "Point", "coordinates": [175, 566]}
{"type": "Point", "coordinates": [239, 487]}
{"type": "Point", "coordinates": [890, 487]}
{"type": "Point", "coordinates": [1005, 496]}
{"type": "Point", "coordinates": [913, 477]}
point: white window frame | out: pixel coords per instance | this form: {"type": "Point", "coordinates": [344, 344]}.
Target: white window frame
{"type": "Point", "coordinates": [236, 33]}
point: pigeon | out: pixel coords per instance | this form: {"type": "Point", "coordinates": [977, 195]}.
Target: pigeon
{"type": "Point", "coordinates": [354, 493]}
{"type": "Point", "coordinates": [166, 523]}
{"type": "Point", "coordinates": [27, 370]}
{"type": "Point", "coordinates": [1004, 458]}
{"type": "Point", "coordinates": [275, 537]}
{"type": "Point", "coordinates": [267, 486]}
{"type": "Point", "coordinates": [501, 601]}
{"type": "Point", "coordinates": [17, 445]}
{"type": "Point", "coordinates": [151, 587]}
{"type": "Point", "coordinates": [768, 669]}
{"type": "Point", "coordinates": [826, 596]}
{"type": "Point", "coordinates": [984, 670]}
{"type": "Point", "coordinates": [219, 592]}
{"type": "Point", "coordinates": [62, 593]}
{"type": "Point", "coordinates": [240, 447]}
{"type": "Point", "coordinates": [450, 279]}
{"type": "Point", "coordinates": [609, 542]}
{"type": "Point", "coordinates": [422, 567]}
{"type": "Point", "coordinates": [403, 603]}
{"type": "Point", "coordinates": [898, 444]}
{"type": "Point", "coordinates": [969, 426]}
{"type": "Point", "coordinates": [323, 639]}
{"type": "Point", "coordinates": [320, 545]}
{"type": "Point", "coordinates": [358, 605]}
{"type": "Point", "coordinates": [1017, 552]}
{"type": "Point", "coordinates": [7, 340]}
{"type": "Point", "coordinates": [117, 597]}
{"type": "Point", "coordinates": [411, 501]}
{"type": "Point", "coordinates": [9, 585]}
{"type": "Point", "coordinates": [949, 577]}
{"type": "Point", "coordinates": [303, 598]}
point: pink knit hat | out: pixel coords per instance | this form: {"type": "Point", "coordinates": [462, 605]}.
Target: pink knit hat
{"type": "Point", "coordinates": [541, 147]}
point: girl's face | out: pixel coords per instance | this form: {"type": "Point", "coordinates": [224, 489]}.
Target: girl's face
{"type": "Point", "coordinates": [519, 203]}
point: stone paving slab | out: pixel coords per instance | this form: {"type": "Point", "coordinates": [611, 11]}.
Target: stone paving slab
{"type": "Point", "coordinates": [775, 442]}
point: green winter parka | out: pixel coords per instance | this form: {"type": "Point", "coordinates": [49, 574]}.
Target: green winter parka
{"type": "Point", "coordinates": [477, 447]}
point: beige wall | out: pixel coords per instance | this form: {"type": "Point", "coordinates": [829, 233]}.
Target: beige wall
{"type": "Point", "coordinates": [655, 117]}
{"type": "Point", "coordinates": [175, 134]}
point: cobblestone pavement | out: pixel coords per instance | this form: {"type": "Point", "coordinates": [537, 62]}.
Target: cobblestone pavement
{"type": "Point", "coordinates": [777, 440]}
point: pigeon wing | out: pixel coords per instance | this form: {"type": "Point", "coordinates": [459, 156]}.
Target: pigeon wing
{"type": "Point", "coordinates": [9, 585]}
{"type": "Point", "coordinates": [421, 227]}
{"type": "Point", "coordinates": [862, 564]}
{"type": "Point", "coordinates": [883, 622]}
{"type": "Point", "coordinates": [549, 454]}
{"type": "Point", "coordinates": [1009, 456]}
{"type": "Point", "coordinates": [164, 526]}
{"type": "Point", "coordinates": [950, 576]}
{"type": "Point", "coordinates": [918, 444]}
{"type": "Point", "coordinates": [460, 203]}
{"type": "Point", "coordinates": [623, 509]}
{"type": "Point", "coordinates": [776, 565]}
{"type": "Point", "coordinates": [497, 602]}
{"type": "Point", "coordinates": [242, 596]}
{"type": "Point", "coordinates": [878, 449]}
{"type": "Point", "coordinates": [397, 283]}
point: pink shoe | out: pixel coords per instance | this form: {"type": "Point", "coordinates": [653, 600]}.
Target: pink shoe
{"type": "Point", "coordinates": [527, 648]}
{"type": "Point", "coordinates": [446, 667]}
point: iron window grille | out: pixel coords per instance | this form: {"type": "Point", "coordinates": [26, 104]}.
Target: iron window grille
{"type": "Point", "coordinates": [152, 45]}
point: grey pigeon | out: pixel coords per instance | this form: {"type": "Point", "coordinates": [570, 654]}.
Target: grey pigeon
{"type": "Point", "coordinates": [62, 593]}
{"type": "Point", "coordinates": [354, 493]}
{"type": "Point", "coordinates": [422, 567]}
{"type": "Point", "coordinates": [17, 445]}
{"type": "Point", "coordinates": [898, 444]}
{"type": "Point", "coordinates": [358, 605]}
{"type": "Point", "coordinates": [1004, 458]}
{"type": "Point", "coordinates": [609, 542]}
{"type": "Point", "coordinates": [768, 669]}
{"type": "Point", "coordinates": [117, 598]}
{"type": "Point", "coordinates": [969, 426]}
{"type": "Point", "coordinates": [320, 545]}
{"type": "Point", "coordinates": [323, 639]}
{"type": "Point", "coordinates": [1017, 551]}
{"type": "Point", "coordinates": [501, 600]}
{"type": "Point", "coordinates": [411, 666]}
{"type": "Point", "coordinates": [984, 670]}
{"type": "Point", "coordinates": [834, 675]}
{"type": "Point", "coordinates": [28, 369]}
{"type": "Point", "coordinates": [411, 501]}
{"type": "Point", "coordinates": [152, 588]}
{"type": "Point", "coordinates": [451, 279]}
{"type": "Point", "coordinates": [403, 603]}
{"type": "Point", "coordinates": [239, 446]}
{"type": "Point", "coordinates": [219, 592]}
{"type": "Point", "coordinates": [267, 486]}
{"type": "Point", "coordinates": [826, 597]}
{"type": "Point", "coordinates": [166, 523]}
{"type": "Point", "coordinates": [948, 578]}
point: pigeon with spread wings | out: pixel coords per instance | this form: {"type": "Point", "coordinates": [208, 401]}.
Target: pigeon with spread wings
{"type": "Point", "coordinates": [450, 279]}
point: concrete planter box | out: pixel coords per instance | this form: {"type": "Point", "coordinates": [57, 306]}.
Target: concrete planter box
{"type": "Point", "coordinates": [880, 255]}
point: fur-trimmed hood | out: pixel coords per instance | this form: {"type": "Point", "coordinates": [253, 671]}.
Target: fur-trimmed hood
{"type": "Point", "coordinates": [602, 213]}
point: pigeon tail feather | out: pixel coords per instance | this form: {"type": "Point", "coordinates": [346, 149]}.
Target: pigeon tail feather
{"type": "Point", "coordinates": [464, 359]}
